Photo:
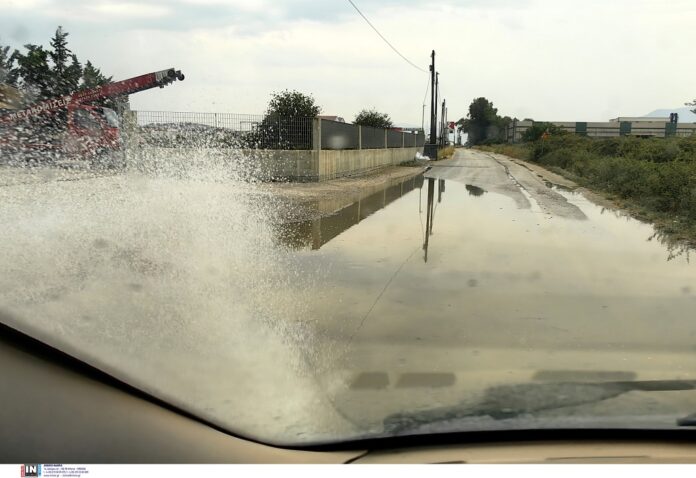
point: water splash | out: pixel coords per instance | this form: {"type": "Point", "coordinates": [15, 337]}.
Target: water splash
{"type": "Point", "coordinates": [168, 275]}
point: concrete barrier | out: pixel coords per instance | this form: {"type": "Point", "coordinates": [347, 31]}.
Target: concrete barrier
{"type": "Point", "coordinates": [350, 162]}
{"type": "Point", "coordinates": [266, 165]}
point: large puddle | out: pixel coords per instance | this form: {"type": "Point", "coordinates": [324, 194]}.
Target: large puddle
{"type": "Point", "coordinates": [423, 295]}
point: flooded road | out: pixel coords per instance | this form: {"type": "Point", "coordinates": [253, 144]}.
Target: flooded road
{"type": "Point", "coordinates": [425, 294]}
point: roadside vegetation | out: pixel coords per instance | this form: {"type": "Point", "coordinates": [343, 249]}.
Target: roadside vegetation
{"type": "Point", "coordinates": [482, 124]}
{"type": "Point", "coordinates": [41, 72]}
{"type": "Point", "coordinates": [653, 178]}
{"type": "Point", "coordinates": [372, 117]}
{"type": "Point", "coordinates": [444, 153]}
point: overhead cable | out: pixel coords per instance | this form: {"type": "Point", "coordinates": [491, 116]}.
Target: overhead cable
{"type": "Point", "coordinates": [385, 40]}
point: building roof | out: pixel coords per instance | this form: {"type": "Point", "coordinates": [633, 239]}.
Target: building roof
{"type": "Point", "coordinates": [638, 119]}
{"type": "Point", "coordinates": [332, 118]}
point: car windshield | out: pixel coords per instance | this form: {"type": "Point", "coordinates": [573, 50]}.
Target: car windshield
{"type": "Point", "coordinates": [312, 228]}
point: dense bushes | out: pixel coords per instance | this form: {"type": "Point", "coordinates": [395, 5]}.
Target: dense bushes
{"type": "Point", "coordinates": [537, 130]}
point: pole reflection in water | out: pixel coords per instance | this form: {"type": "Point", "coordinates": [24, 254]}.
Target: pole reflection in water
{"type": "Point", "coordinates": [430, 210]}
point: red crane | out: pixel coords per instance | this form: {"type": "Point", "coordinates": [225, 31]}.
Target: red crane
{"type": "Point", "coordinates": [69, 126]}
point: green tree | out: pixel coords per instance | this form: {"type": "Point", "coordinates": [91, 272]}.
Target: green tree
{"type": "Point", "coordinates": [693, 103]}
{"type": "Point", "coordinates": [292, 104]}
{"type": "Point", "coordinates": [482, 123]}
{"type": "Point", "coordinates": [45, 73]}
{"type": "Point", "coordinates": [287, 123]}
{"type": "Point", "coordinates": [72, 75]}
{"type": "Point", "coordinates": [373, 118]}
{"type": "Point", "coordinates": [92, 77]}
{"type": "Point", "coordinates": [8, 71]}
{"type": "Point", "coordinates": [64, 75]}
{"type": "Point", "coordinates": [34, 72]}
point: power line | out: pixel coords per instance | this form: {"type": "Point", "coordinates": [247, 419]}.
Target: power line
{"type": "Point", "coordinates": [385, 40]}
{"type": "Point", "coordinates": [427, 88]}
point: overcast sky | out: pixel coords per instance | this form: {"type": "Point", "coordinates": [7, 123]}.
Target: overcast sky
{"type": "Point", "coordinates": [558, 60]}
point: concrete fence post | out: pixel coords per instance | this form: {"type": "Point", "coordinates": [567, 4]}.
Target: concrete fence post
{"type": "Point", "coordinates": [386, 141]}
{"type": "Point", "coordinates": [316, 134]}
{"type": "Point", "coordinates": [130, 134]}
{"type": "Point", "coordinates": [359, 137]}
{"type": "Point", "coordinates": [403, 139]}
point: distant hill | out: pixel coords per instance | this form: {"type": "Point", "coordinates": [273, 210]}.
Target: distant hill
{"type": "Point", "coordinates": [685, 114]}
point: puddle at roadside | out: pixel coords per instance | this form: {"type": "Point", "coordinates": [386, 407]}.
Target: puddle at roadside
{"type": "Point", "coordinates": [489, 262]}
{"type": "Point", "coordinates": [444, 282]}
{"type": "Point", "coordinates": [191, 290]}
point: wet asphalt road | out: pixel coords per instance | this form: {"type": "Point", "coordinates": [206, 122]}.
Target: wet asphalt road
{"type": "Point", "coordinates": [183, 288]}
{"type": "Point", "coordinates": [498, 174]}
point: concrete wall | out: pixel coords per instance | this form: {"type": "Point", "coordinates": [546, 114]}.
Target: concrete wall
{"type": "Point", "coordinates": [350, 162]}
{"type": "Point", "coordinates": [310, 165]}
{"type": "Point", "coordinates": [297, 165]}
{"type": "Point", "coordinates": [266, 165]}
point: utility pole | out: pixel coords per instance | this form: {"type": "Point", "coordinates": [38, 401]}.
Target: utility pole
{"type": "Point", "coordinates": [443, 125]}
{"type": "Point", "coordinates": [430, 149]}
{"type": "Point", "coordinates": [429, 216]}
{"type": "Point", "coordinates": [437, 102]}
{"type": "Point", "coordinates": [433, 113]}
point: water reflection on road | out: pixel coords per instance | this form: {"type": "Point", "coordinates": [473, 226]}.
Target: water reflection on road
{"type": "Point", "coordinates": [421, 294]}
{"type": "Point", "coordinates": [314, 233]}
{"type": "Point", "coordinates": [453, 281]}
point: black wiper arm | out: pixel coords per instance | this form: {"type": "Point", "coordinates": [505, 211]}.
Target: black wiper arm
{"type": "Point", "coordinates": [510, 401]}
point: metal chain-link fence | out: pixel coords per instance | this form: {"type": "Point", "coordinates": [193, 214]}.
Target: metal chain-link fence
{"type": "Point", "coordinates": [223, 130]}
{"type": "Point", "coordinates": [170, 129]}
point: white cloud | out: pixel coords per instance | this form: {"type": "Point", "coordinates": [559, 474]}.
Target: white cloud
{"type": "Point", "coordinates": [121, 9]}
{"type": "Point", "coordinates": [6, 5]}
{"type": "Point", "coordinates": [556, 60]}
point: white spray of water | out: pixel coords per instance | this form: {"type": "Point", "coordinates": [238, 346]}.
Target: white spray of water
{"type": "Point", "coordinates": [169, 277]}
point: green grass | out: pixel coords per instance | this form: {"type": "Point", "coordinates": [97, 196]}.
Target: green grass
{"type": "Point", "coordinates": [653, 178]}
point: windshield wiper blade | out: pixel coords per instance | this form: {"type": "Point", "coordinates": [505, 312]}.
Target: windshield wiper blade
{"type": "Point", "coordinates": [511, 401]}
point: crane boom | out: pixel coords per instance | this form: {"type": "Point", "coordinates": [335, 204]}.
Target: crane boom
{"type": "Point", "coordinates": [120, 88]}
